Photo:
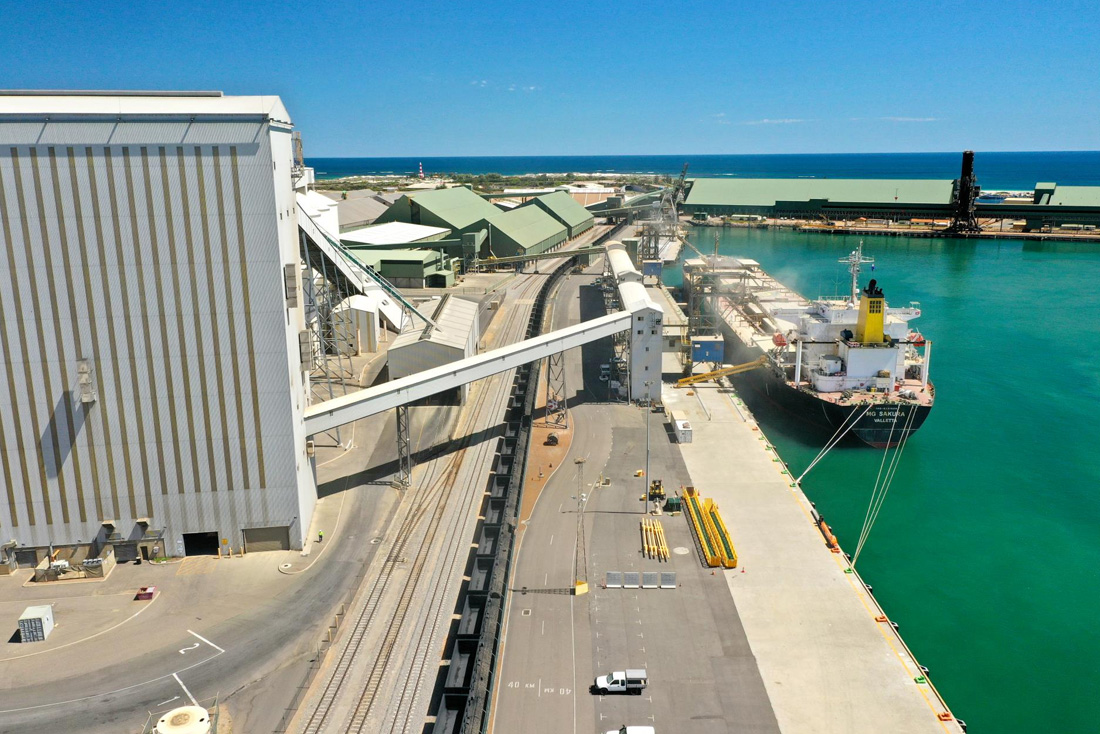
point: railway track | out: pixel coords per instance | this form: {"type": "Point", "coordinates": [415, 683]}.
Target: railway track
{"type": "Point", "coordinates": [433, 508]}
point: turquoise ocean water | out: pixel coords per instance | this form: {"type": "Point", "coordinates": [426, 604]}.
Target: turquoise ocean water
{"type": "Point", "coordinates": [987, 549]}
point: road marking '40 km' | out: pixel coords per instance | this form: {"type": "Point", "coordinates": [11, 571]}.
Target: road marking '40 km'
{"type": "Point", "coordinates": [547, 690]}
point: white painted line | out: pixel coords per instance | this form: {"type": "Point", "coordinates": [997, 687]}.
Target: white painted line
{"type": "Point", "coordinates": [89, 637]}
{"type": "Point", "coordinates": [551, 540]}
{"type": "Point", "coordinates": [540, 687]}
{"type": "Point", "coordinates": [193, 701]}
{"type": "Point", "coordinates": [111, 693]}
{"type": "Point", "coordinates": [183, 650]}
{"type": "Point", "coordinates": [208, 642]}
{"type": "Point", "coordinates": [546, 578]}
{"type": "Point", "coordinates": [544, 626]}
{"type": "Point", "coordinates": [170, 700]}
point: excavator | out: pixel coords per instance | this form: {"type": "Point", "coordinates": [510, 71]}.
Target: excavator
{"type": "Point", "coordinates": [734, 370]}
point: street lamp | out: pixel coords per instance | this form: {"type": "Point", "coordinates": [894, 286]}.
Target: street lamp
{"type": "Point", "coordinates": [580, 551]}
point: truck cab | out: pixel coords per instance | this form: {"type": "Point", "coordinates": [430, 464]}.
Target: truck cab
{"type": "Point", "coordinates": [631, 680]}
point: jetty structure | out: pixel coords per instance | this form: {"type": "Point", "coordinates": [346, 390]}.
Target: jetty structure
{"type": "Point", "coordinates": [957, 203]}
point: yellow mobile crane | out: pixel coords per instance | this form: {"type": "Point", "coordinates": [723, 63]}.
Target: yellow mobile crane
{"type": "Point", "coordinates": [734, 370]}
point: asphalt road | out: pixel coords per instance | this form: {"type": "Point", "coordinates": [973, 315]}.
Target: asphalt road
{"type": "Point", "coordinates": [253, 662]}
{"type": "Point", "coordinates": [703, 676]}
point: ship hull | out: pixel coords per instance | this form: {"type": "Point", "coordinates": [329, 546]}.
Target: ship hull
{"type": "Point", "coordinates": [881, 425]}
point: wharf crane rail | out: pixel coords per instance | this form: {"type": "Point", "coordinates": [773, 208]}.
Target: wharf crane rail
{"type": "Point", "coordinates": [724, 372]}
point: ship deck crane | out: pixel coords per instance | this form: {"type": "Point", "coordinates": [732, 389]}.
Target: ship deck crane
{"type": "Point", "coordinates": [724, 372]}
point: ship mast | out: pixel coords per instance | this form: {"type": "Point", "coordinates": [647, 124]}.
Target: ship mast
{"type": "Point", "coordinates": [854, 260]}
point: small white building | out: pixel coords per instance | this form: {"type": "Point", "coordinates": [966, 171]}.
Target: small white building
{"type": "Point", "coordinates": [646, 340]}
{"type": "Point", "coordinates": [455, 336]}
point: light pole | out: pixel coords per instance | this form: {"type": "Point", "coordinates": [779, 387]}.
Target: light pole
{"type": "Point", "coordinates": [580, 552]}
{"type": "Point", "coordinates": [648, 411]}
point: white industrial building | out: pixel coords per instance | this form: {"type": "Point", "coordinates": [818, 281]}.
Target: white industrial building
{"type": "Point", "coordinates": [646, 338]}
{"type": "Point", "coordinates": [455, 336]}
{"type": "Point", "coordinates": [151, 321]}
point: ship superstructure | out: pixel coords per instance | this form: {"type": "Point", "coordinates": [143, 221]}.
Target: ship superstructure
{"type": "Point", "coordinates": [847, 365]}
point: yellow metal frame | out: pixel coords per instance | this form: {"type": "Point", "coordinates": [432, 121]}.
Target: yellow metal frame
{"type": "Point", "coordinates": [734, 370]}
{"type": "Point", "coordinates": [710, 529]}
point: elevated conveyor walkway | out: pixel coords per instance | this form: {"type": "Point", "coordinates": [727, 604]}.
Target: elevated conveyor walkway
{"type": "Point", "coordinates": [353, 276]}
{"type": "Point", "coordinates": [360, 404]}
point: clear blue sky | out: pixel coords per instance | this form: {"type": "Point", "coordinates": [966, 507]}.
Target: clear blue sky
{"type": "Point", "coordinates": [576, 78]}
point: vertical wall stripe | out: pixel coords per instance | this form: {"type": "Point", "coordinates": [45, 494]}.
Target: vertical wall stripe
{"type": "Point", "coordinates": [195, 319]}
{"type": "Point", "coordinates": [55, 399]}
{"type": "Point", "coordinates": [93, 354]}
{"type": "Point", "coordinates": [21, 200]}
{"type": "Point", "coordinates": [181, 337]}
{"type": "Point", "coordinates": [9, 365]}
{"type": "Point", "coordinates": [167, 390]}
{"type": "Point", "coordinates": [73, 397]}
{"type": "Point", "coordinates": [231, 314]}
{"type": "Point", "coordinates": [213, 322]}
{"type": "Point", "coordinates": [248, 319]}
{"type": "Point", "coordinates": [135, 247]}
{"type": "Point", "coordinates": [115, 348]}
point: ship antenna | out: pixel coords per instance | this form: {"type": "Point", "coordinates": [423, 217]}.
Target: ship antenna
{"type": "Point", "coordinates": [853, 261]}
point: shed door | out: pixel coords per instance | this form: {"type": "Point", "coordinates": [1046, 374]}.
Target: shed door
{"type": "Point", "coordinates": [267, 539]}
{"type": "Point", "coordinates": [126, 552]}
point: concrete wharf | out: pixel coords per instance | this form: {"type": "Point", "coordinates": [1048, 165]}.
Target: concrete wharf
{"type": "Point", "coordinates": [830, 659]}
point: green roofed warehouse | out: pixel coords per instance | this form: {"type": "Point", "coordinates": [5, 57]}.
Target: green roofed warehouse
{"type": "Point", "coordinates": [564, 208]}
{"type": "Point", "coordinates": [459, 210]}
{"type": "Point", "coordinates": [816, 197]}
{"type": "Point", "coordinates": [527, 230]}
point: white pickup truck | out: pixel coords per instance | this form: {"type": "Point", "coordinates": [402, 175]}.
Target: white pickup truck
{"type": "Point", "coordinates": [622, 681]}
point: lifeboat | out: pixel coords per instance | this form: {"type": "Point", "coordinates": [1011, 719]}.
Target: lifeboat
{"type": "Point", "coordinates": [779, 340]}
{"type": "Point", "coordinates": [916, 339]}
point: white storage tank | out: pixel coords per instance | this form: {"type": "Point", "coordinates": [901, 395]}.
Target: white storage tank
{"type": "Point", "coordinates": [36, 624]}
{"type": "Point", "coordinates": [184, 720]}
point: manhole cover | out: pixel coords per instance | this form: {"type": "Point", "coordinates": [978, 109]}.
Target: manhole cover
{"type": "Point", "coordinates": [375, 541]}
{"type": "Point", "coordinates": [681, 550]}
{"type": "Point", "coordinates": [285, 565]}
{"type": "Point", "coordinates": [526, 613]}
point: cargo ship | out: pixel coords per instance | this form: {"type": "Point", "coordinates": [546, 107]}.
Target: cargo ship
{"type": "Point", "coordinates": [851, 367]}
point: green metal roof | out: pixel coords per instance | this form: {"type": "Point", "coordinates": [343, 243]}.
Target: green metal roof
{"type": "Point", "coordinates": [527, 226]}
{"type": "Point", "coordinates": [373, 256]}
{"type": "Point", "coordinates": [765, 192]}
{"type": "Point", "coordinates": [458, 206]}
{"type": "Point", "coordinates": [1075, 196]}
{"type": "Point", "coordinates": [564, 207]}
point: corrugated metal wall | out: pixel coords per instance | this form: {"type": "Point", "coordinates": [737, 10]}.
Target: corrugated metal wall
{"type": "Point", "coordinates": [158, 263]}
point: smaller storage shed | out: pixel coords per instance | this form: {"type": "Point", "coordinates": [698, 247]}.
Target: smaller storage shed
{"type": "Point", "coordinates": [423, 347]}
